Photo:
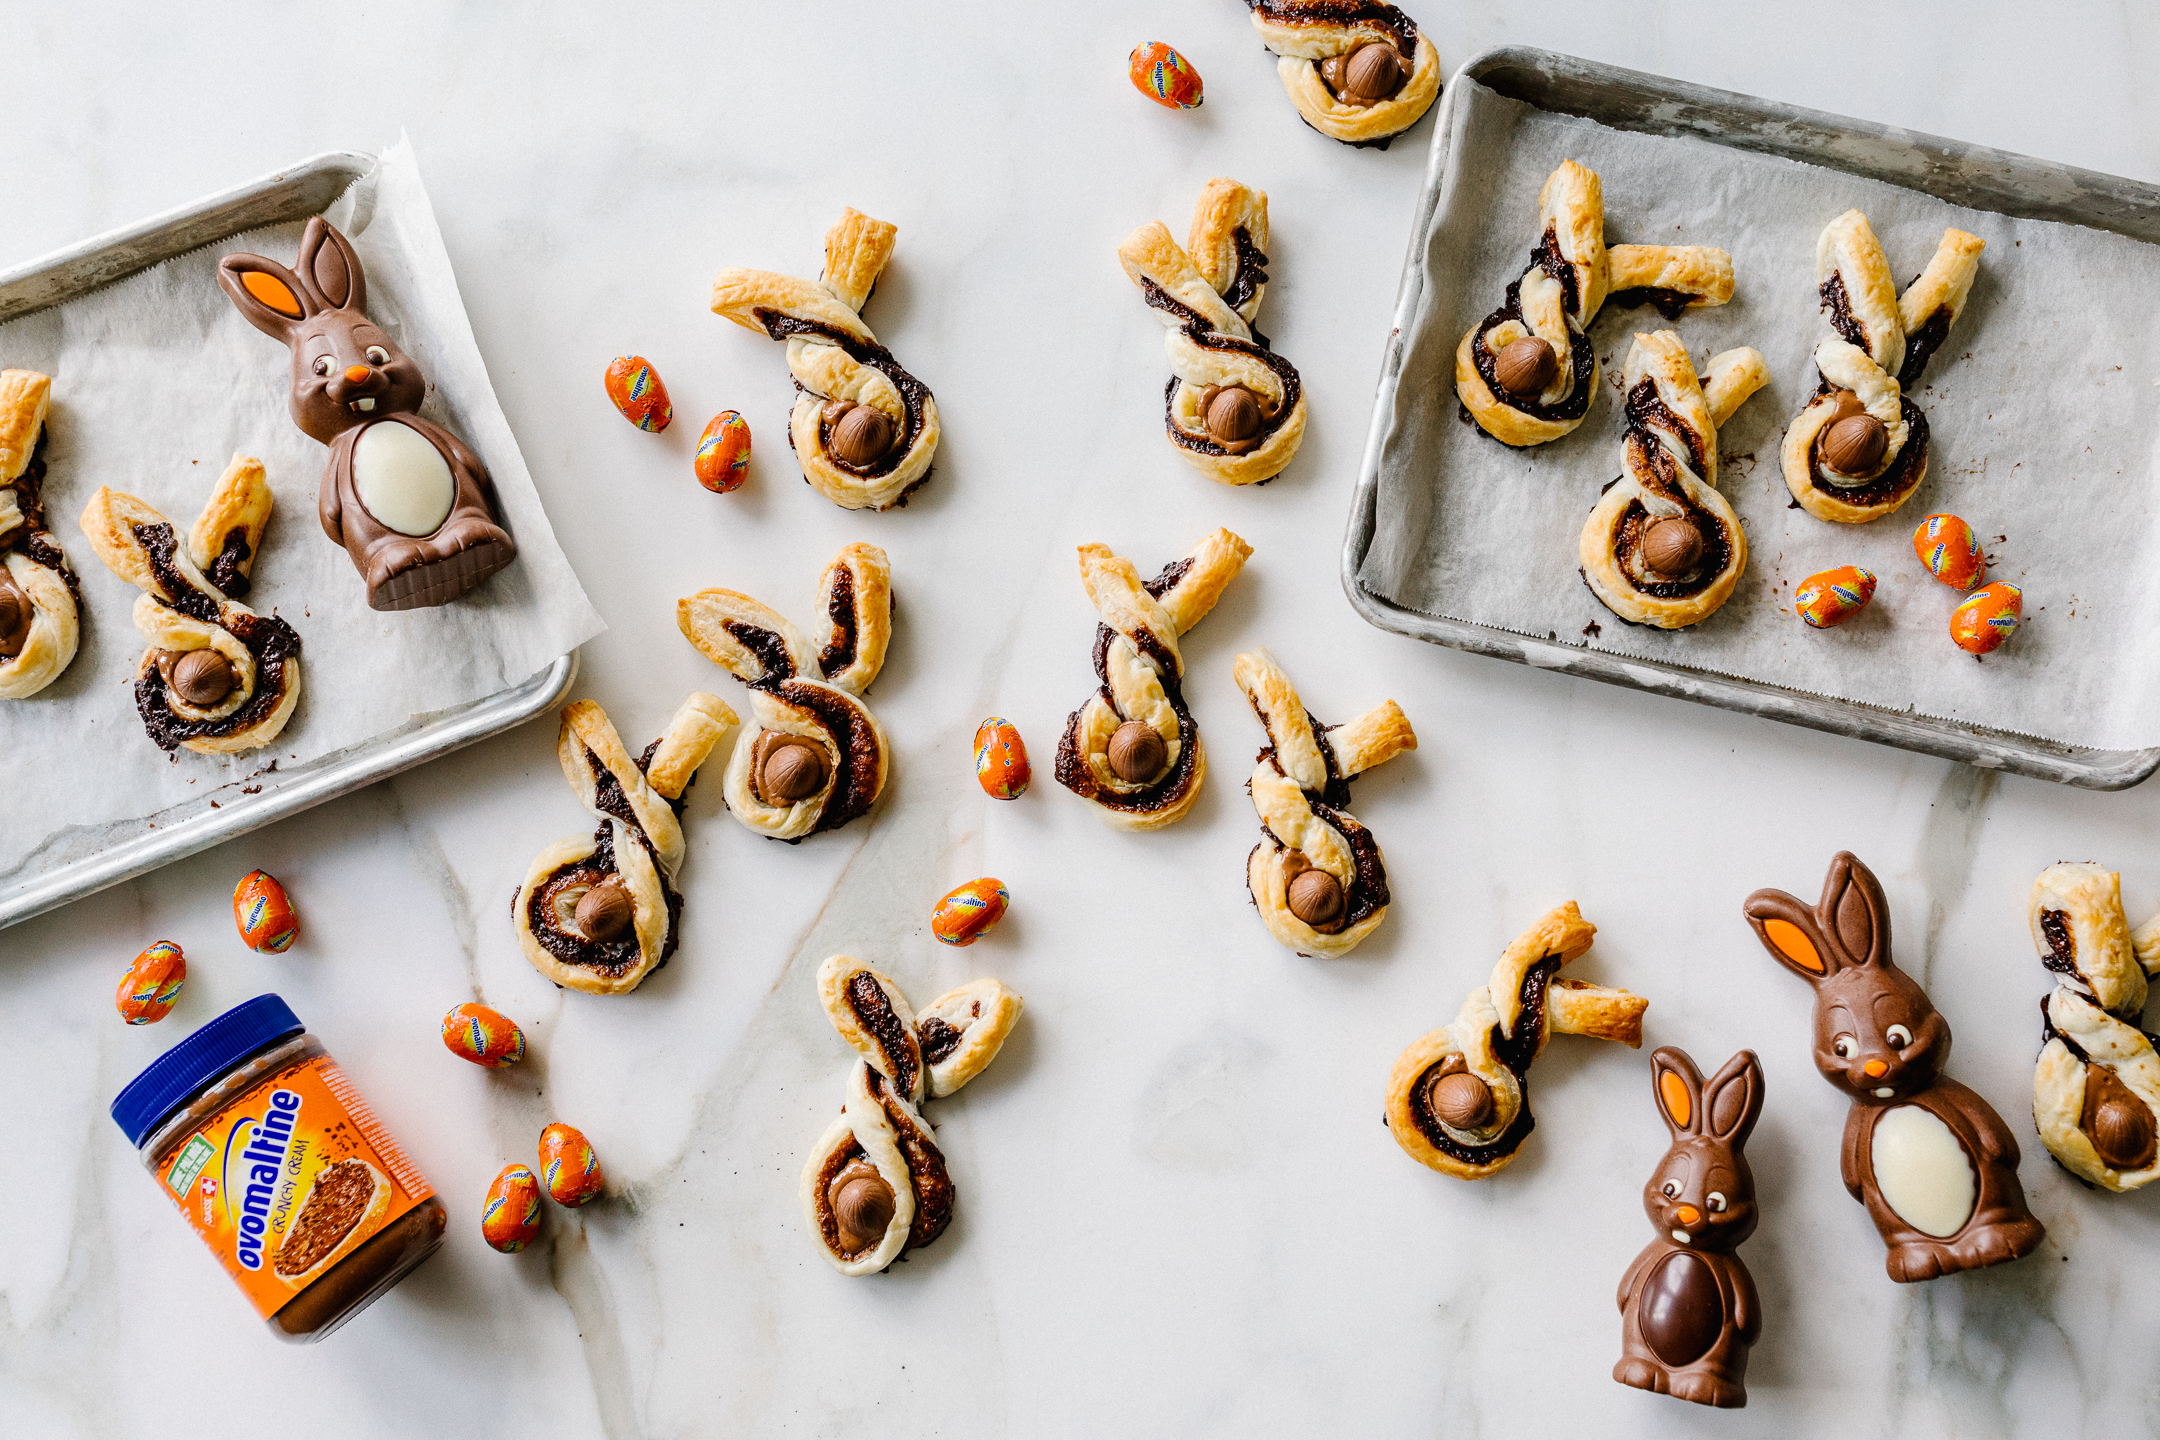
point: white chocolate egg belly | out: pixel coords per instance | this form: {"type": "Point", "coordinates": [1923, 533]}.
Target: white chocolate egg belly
{"type": "Point", "coordinates": [403, 479]}
{"type": "Point", "coordinates": [1923, 1172]}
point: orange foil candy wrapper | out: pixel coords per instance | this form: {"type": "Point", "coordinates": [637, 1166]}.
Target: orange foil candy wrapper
{"type": "Point", "coordinates": [1001, 763]}
{"type": "Point", "coordinates": [634, 387]}
{"type": "Point", "coordinates": [263, 914]}
{"type": "Point", "coordinates": [152, 984]}
{"type": "Point", "coordinates": [568, 1166]}
{"type": "Point", "coordinates": [1950, 550]}
{"type": "Point", "coordinates": [1986, 618]}
{"type": "Point", "coordinates": [483, 1036]}
{"type": "Point", "coordinates": [510, 1217]}
{"type": "Point", "coordinates": [723, 453]}
{"type": "Point", "coordinates": [1833, 596]}
{"type": "Point", "coordinates": [970, 912]}
{"type": "Point", "coordinates": [1164, 76]}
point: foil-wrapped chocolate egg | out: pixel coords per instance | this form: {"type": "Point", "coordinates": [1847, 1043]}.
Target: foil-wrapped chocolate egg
{"type": "Point", "coordinates": [723, 453]}
{"type": "Point", "coordinates": [1164, 76]}
{"type": "Point", "coordinates": [970, 912]}
{"type": "Point", "coordinates": [1950, 550]}
{"type": "Point", "coordinates": [152, 983]}
{"type": "Point", "coordinates": [510, 1217]}
{"type": "Point", "coordinates": [1001, 763]}
{"type": "Point", "coordinates": [264, 914]}
{"type": "Point", "coordinates": [635, 389]}
{"type": "Point", "coordinates": [1987, 617]}
{"type": "Point", "coordinates": [568, 1166]}
{"type": "Point", "coordinates": [483, 1036]}
{"type": "Point", "coordinates": [1833, 596]}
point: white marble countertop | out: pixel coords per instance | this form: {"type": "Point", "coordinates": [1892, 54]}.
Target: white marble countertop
{"type": "Point", "coordinates": [1179, 1212]}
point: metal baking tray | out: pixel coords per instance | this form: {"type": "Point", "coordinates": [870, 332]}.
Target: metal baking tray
{"type": "Point", "coordinates": [305, 189]}
{"type": "Point", "coordinates": [1970, 175]}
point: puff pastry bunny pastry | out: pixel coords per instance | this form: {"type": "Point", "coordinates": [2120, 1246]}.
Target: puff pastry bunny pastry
{"type": "Point", "coordinates": [1527, 372]}
{"type": "Point", "coordinates": [1234, 408]}
{"type": "Point", "coordinates": [816, 757]}
{"type": "Point", "coordinates": [2096, 1089]}
{"type": "Point", "coordinates": [1316, 876]}
{"type": "Point", "coordinates": [1459, 1098]}
{"type": "Point", "coordinates": [863, 429]}
{"type": "Point", "coordinates": [1133, 749]}
{"type": "Point", "coordinates": [40, 598]}
{"type": "Point", "coordinates": [599, 913]}
{"type": "Point", "coordinates": [217, 677]}
{"type": "Point", "coordinates": [1860, 448]}
{"type": "Point", "coordinates": [875, 1184]}
{"type": "Point", "coordinates": [1358, 72]}
{"type": "Point", "coordinates": [1662, 547]}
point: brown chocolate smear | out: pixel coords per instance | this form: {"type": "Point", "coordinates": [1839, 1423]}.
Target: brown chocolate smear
{"type": "Point", "coordinates": [203, 678]}
{"type": "Point", "coordinates": [1461, 1099]}
{"type": "Point", "coordinates": [1315, 897]}
{"type": "Point", "coordinates": [862, 1206]}
{"type": "Point", "coordinates": [875, 1014]}
{"type": "Point", "coordinates": [605, 912]}
{"type": "Point", "coordinates": [1137, 753]}
{"type": "Point", "coordinates": [2119, 1124]}
{"type": "Point", "coordinates": [16, 613]}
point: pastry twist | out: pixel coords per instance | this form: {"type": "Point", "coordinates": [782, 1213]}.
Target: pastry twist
{"type": "Point", "coordinates": [863, 461]}
{"type": "Point", "coordinates": [1133, 748]}
{"type": "Point", "coordinates": [1300, 788]}
{"type": "Point", "coordinates": [241, 695]}
{"type": "Point", "coordinates": [1234, 408]}
{"type": "Point", "coordinates": [1318, 43]}
{"type": "Point", "coordinates": [1542, 390]}
{"type": "Point", "coordinates": [1459, 1098]}
{"type": "Point", "coordinates": [40, 598]}
{"type": "Point", "coordinates": [1662, 547]}
{"type": "Point", "coordinates": [817, 757]}
{"type": "Point", "coordinates": [1882, 343]}
{"type": "Point", "coordinates": [2096, 1088]}
{"type": "Point", "coordinates": [599, 913]}
{"type": "Point", "coordinates": [875, 1184]}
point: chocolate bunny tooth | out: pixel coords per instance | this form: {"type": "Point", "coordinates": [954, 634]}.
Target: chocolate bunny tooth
{"type": "Point", "coordinates": [1688, 1305]}
{"type": "Point", "coordinates": [1932, 1161]}
{"type": "Point", "coordinates": [408, 501]}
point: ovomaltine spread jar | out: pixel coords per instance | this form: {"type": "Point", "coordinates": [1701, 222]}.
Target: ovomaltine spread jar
{"type": "Point", "coordinates": [281, 1168]}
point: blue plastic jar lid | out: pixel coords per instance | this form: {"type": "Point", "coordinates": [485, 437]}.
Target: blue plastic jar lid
{"type": "Point", "coordinates": [193, 1065]}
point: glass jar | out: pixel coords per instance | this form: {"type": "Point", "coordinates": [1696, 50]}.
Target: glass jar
{"type": "Point", "coordinates": [282, 1169]}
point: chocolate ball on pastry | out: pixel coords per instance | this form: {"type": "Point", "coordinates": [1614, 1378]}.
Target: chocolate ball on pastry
{"type": "Point", "coordinates": [816, 757]}
{"type": "Point", "coordinates": [1234, 409]}
{"type": "Point", "coordinates": [1133, 750]}
{"type": "Point", "coordinates": [1316, 877]}
{"type": "Point", "coordinates": [40, 598]}
{"type": "Point", "coordinates": [1358, 74]}
{"type": "Point", "coordinates": [599, 913]}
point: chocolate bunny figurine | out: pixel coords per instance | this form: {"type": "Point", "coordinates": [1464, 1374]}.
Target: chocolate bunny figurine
{"type": "Point", "coordinates": [408, 501]}
{"type": "Point", "coordinates": [1688, 1305]}
{"type": "Point", "coordinates": [1932, 1161]}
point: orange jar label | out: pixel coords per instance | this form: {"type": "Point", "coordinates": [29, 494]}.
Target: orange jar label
{"type": "Point", "coordinates": [290, 1179]}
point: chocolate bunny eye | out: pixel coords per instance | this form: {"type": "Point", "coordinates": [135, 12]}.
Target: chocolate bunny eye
{"type": "Point", "coordinates": [322, 364]}
{"type": "Point", "coordinates": [1716, 1202]}
{"type": "Point", "coordinates": [377, 355]}
{"type": "Point", "coordinates": [1671, 1189]}
{"type": "Point", "coordinates": [1898, 1036]}
{"type": "Point", "coordinates": [1843, 1045]}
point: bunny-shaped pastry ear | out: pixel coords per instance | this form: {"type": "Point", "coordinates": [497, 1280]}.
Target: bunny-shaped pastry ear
{"type": "Point", "coordinates": [1850, 926]}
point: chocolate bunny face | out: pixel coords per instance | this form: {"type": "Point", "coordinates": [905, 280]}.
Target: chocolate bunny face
{"type": "Point", "coordinates": [346, 369]}
{"type": "Point", "coordinates": [1877, 1035]}
{"type": "Point", "coordinates": [1702, 1193]}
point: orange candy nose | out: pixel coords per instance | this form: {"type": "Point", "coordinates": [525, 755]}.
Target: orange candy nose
{"type": "Point", "coordinates": [1687, 1214]}
{"type": "Point", "coordinates": [357, 373]}
{"type": "Point", "coordinates": [1874, 1069]}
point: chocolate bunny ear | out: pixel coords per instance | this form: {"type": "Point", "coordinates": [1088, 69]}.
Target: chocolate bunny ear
{"type": "Point", "coordinates": [1854, 910]}
{"type": "Point", "coordinates": [1679, 1090]}
{"type": "Point", "coordinates": [328, 263]}
{"type": "Point", "coordinates": [273, 299]}
{"type": "Point", "coordinates": [1732, 1101]}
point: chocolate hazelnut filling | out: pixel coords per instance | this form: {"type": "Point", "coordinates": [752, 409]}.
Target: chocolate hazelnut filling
{"type": "Point", "coordinates": [1251, 272]}
{"type": "Point", "coordinates": [2062, 949]}
{"type": "Point", "coordinates": [926, 1166]}
{"type": "Point", "coordinates": [912, 391]}
{"type": "Point", "coordinates": [866, 999]}
{"type": "Point", "coordinates": [1514, 1053]}
{"type": "Point", "coordinates": [225, 572]}
{"type": "Point", "coordinates": [1668, 303]}
{"type": "Point", "coordinates": [16, 614]}
{"type": "Point", "coordinates": [1202, 332]}
{"type": "Point", "coordinates": [1921, 345]}
{"type": "Point", "coordinates": [1576, 403]}
{"type": "Point", "coordinates": [270, 640]}
{"type": "Point", "coordinates": [616, 956]}
{"type": "Point", "coordinates": [31, 538]}
{"type": "Point", "coordinates": [937, 1038]}
{"type": "Point", "coordinates": [839, 652]}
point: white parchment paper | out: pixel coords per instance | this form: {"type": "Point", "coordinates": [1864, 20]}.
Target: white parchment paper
{"type": "Point", "coordinates": [157, 381]}
{"type": "Point", "coordinates": [2042, 404]}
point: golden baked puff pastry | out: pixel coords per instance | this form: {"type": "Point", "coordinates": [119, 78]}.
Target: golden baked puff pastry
{"type": "Point", "coordinates": [1234, 408]}
{"type": "Point", "coordinates": [1133, 749]}
{"type": "Point", "coordinates": [1459, 1098]}
{"type": "Point", "coordinates": [863, 429]}
{"type": "Point", "coordinates": [1860, 448]}
{"type": "Point", "coordinates": [1662, 547]}
{"type": "Point", "coordinates": [1316, 877]}
{"type": "Point", "coordinates": [1358, 72]}
{"type": "Point", "coordinates": [875, 1184]}
{"type": "Point", "coordinates": [599, 913]}
{"type": "Point", "coordinates": [816, 757]}
{"type": "Point", "coordinates": [39, 596]}
{"type": "Point", "coordinates": [2096, 1089]}
{"type": "Point", "coordinates": [1527, 372]}
{"type": "Point", "coordinates": [217, 677]}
